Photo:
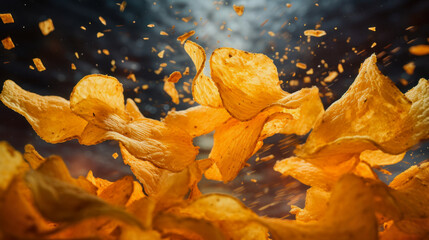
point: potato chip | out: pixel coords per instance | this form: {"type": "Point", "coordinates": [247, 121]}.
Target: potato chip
{"type": "Point", "coordinates": [170, 89]}
{"type": "Point", "coordinates": [182, 38]}
{"type": "Point", "coordinates": [419, 50]}
{"type": "Point", "coordinates": [33, 157]}
{"type": "Point", "coordinates": [7, 43]}
{"type": "Point", "coordinates": [46, 26]}
{"type": "Point", "coordinates": [174, 77]}
{"type": "Point", "coordinates": [6, 18]}
{"type": "Point", "coordinates": [99, 183]}
{"type": "Point", "coordinates": [204, 90]}
{"type": "Point", "coordinates": [314, 33]}
{"type": "Point", "coordinates": [197, 120]}
{"type": "Point", "coordinates": [50, 116]}
{"type": "Point", "coordinates": [316, 204]}
{"type": "Point", "coordinates": [75, 204]}
{"type": "Point", "coordinates": [379, 158]}
{"type": "Point", "coordinates": [362, 120]}
{"type": "Point", "coordinates": [39, 65]}
{"type": "Point", "coordinates": [10, 163]}
{"type": "Point", "coordinates": [350, 215]}
{"type": "Point", "coordinates": [119, 192]}
{"type": "Point", "coordinates": [238, 9]}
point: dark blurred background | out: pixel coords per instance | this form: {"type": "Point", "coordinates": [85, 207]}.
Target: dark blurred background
{"type": "Point", "coordinates": [268, 27]}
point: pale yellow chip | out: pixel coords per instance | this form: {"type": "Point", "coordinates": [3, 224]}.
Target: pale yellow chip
{"type": "Point", "coordinates": [50, 116]}
{"type": "Point", "coordinates": [6, 18]}
{"type": "Point", "coordinates": [197, 120]}
{"type": "Point", "coordinates": [39, 64]}
{"type": "Point", "coordinates": [419, 50]}
{"type": "Point", "coordinates": [46, 26]}
{"type": "Point", "coordinates": [7, 43]}
{"type": "Point", "coordinates": [204, 90]}
{"type": "Point", "coordinates": [239, 9]}
{"type": "Point", "coordinates": [314, 33]}
{"type": "Point", "coordinates": [182, 38]}
{"type": "Point", "coordinates": [170, 89]}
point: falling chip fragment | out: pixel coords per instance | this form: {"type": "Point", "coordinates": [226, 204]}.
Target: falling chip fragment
{"type": "Point", "coordinates": [373, 44]}
{"type": "Point", "coordinates": [182, 38]}
{"type": "Point", "coordinates": [161, 54]}
{"type": "Point", "coordinates": [331, 77]}
{"type": "Point", "coordinates": [6, 18]}
{"type": "Point", "coordinates": [151, 25]}
{"type": "Point", "coordinates": [7, 43]}
{"type": "Point", "coordinates": [314, 33]}
{"type": "Point", "coordinates": [409, 68]}
{"type": "Point", "coordinates": [170, 89]}
{"type": "Point", "coordinates": [174, 77]}
{"type": "Point", "coordinates": [100, 34]}
{"type": "Point", "coordinates": [163, 33]}
{"type": "Point", "coordinates": [371, 29]}
{"type": "Point", "coordinates": [115, 155]}
{"type": "Point", "coordinates": [46, 26]}
{"type": "Point", "coordinates": [301, 65]}
{"type": "Point", "coordinates": [102, 20]}
{"type": "Point", "coordinates": [238, 9]}
{"type": "Point", "coordinates": [39, 65]}
{"type": "Point", "coordinates": [419, 50]}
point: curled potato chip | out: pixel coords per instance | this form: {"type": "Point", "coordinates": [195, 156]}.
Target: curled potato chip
{"type": "Point", "coordinates": [51, 194]}
{"type": "Point", "coordinates": [197, 120]}
{"type": "Point", "coordinates": [379, 158]}
{"type": "Point", "coordinates": [50, 116]}
{"type": "Point", "coordinates": [373, 114]}
{"type": "Point", "coordinates": [10, 163]}
{"type": "Point", "coordinates": [350, 215]}
{"type": "Point", "coordinates": [204, 90]}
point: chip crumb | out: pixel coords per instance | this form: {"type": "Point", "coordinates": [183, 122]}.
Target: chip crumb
{"type": "Point", "coordinates": [301, 65]}
{"type": "Point", "coordinates": [163, 65]}
{"type": "Point", "coordinates": [100, 34]}
{"type": "Point", "coordinates": [122, 6]}
{"type": "Point", "coordinates": [253, 180]}
{"type": "Point", "coordinates": [145, 38]}
{"type": "Point", "coordinates": [186, 19]}
{"type": "Point", "coordinates": [419, 50]}
{"type": "Point", "coordinates": [115, 155]}
{"type": "Point", "coordinates": [6, 18]}
{"type": "Point", "coordinates": [238, 9]}
{"type": "Point", "coordinates": [267, 158]}
{"type": "Point", "coordinates": [46, 26]}
{"type": "Point", "coordinates": [144, 87]}
{"type": "Point", "coordinates": [314, 33]}
{"type": "Point", "coordinates": [170, 89]}
{"type": "Point", "coordinates": [174, 77]}
{"type": "Point", "coordinates": [409, 68]}
{"type": "Point", "coordinates": [288, 5]}
{"type": "Point", "coordinates": [186, 72]}
{"type": "Point", "coordinates": [8, 43]}
{"type": "Point", "coordinates": [158, 71]}
{"type": "Point", "coordinates": [151, 25]}
{"type": "Point", "coordinates": [161, 54]}
{"type": "Point", "coordinates": [137, 100]}
{"type": "Point", "coordinates": [307, 79]}
{"type": "Point", "coordinates": [265, 22]}
{"type": "Point", "coordinates": [83, 28]}
{"type": "Point", "coordinates": [182, 38]}
{"type": "Point", "coordinates": [73, 67]}
{"type": "Point", "coordinates": [403, 82]}
{"type": "Point", "coordinates": [39, 65]}
{"type": "Point", "coordinates": [102, 20]}
{"type": "Point", "coordinates": [371, 29]}
{"type": "Point", "coordinates": [294, 83]}
{"type": "Point", "coordinates": [163, 33]}
{"type": "Point", "coordinates": [106, 52]}
{"type": "Point", "coordinates": [373, 44]}
{"type": "Point", "coordinates": [310, 71]}
{"type": "Point", "coordinates": [340, 68]}
{"type": "Point", "coordinates": [331, 77]}
{"type": "Point", "coordinates": [272, 34]}
{"type": "Point", "coordinates": [132, 76]}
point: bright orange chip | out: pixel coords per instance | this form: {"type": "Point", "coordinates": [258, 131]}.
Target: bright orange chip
{"type": "Point", "coordinates": [7, 43]}
{"type": "Point", "coordinates": [204, 90]}
{"type": "Point", "coordinates": [39, 65]}
{"type": "Point", "coordinates": [314, 33]}
{"type": "Point", "coordinates": [239, 9]}
{"type": "Point", "coordinates": [6, 18]}
{"type": "Point", "coordinates": [174, 77]}
{"type": "Point", "coordinates": [170, 89]}
{"type": "Point", "coordinates": [182, 38]}
{"type": "Point", "coordinates": [419, 50]}
{"type": "Point", "coordinates": [46, 26]}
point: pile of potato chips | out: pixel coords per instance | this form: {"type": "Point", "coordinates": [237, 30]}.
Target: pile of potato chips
{"type": "Point", "coordinates": [373, 124]}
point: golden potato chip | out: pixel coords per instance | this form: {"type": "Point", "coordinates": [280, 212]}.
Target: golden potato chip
{"type": "Point", "coordinates": [46, 26]}
{"type": "Point", "coordinates": [170, 89]}
{"type": "Point", "coordinates": [314, 33]}
{"type": "Point", "coordinates": [175, 77]}
{"type": "Point", "coordinates": [33, 157]}
{"type": "Point", "coordinates": [182, 38]}
{"type": "Point", "coordinates": [363, 120]}
{"type": "Point", "coordinates": [99, 183]}
{"type": "Point", "coordinates": [379, 158]}
{"type": "Point", "coordinates": [39, 65]}
{"type": "Point", "coordinates": [6, 18]}
{"type": "Point", "coordinates": [119, 192]}
{"type": "Point", "coordinates": [7, 43]}
{"type": "Point", "coordinates": [419, 50]}
{"type": "Point", "coordinates": [75, 204]}
{"type": "Point", "coordinates": [10, 163]}
{"type": "Point", "coordinates": [350, 215]}
{"type": "Point", "coordinates": [238, 9]}
{"type": "Point", "coordinates": [197, 120]}
{"type": "Point", "coordinates": [234, 143]}
{"type": "Point", "coordinates": [50, 116]}
{"type": "Point", "coordinates": [316, 204]}
{"type": "Point", "coordinates": [204, 90]}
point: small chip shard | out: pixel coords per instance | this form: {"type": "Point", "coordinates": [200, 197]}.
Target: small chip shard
{"type": "Point", "coordinates": [170, 89]}
{"type": "Point", "coordinates": [39, 65]}
{"type": "Point", "coordinates": [314, 33]}
{"type": "Point", "coordinates": [115, 155]}
{"type": "Point", "coordinates": [6, 18]}
{"type": "Point", "coordinates": [102, 20]}
{"type": "Point", "coordinates": [301, 65]}
{"type": "Point", "coordinates": [174, 77]}
{"type": "Point", "coordinates": [46, 26]}
{"type": "Point", "coordinates": [132, 76]}
{"type": "Point", "coordinates": [151, 25]}
{"type": "Point", "coordinates": [340, 68]}
{"type": "Point", "coordinates": [371, 29]}
{"type": "Point", "coordinates": [419, 50]}
{"type": "Point", "coordinates": [73, 67]}
{"type": "Point", "coordinates": [373, 44]}
{"type": "Point", "coordinates": [7, 43]}
{"type": "Point", "coordinates": [331, 77]}
{"type": "Point", "coordinates": [238, 9]}
{"type": "Point", "coordinates": [182, 38]}
{"type": "Point", "coordinates": [288, 5]}
{"type": "Point", "coordinates": [409, 68]}
{"type": "Point", "coordinates": [161, 54]}
{"type": "Point", "coordinates": [163, 33]}
{"type": "Point", "coordinates": [100, 34]}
